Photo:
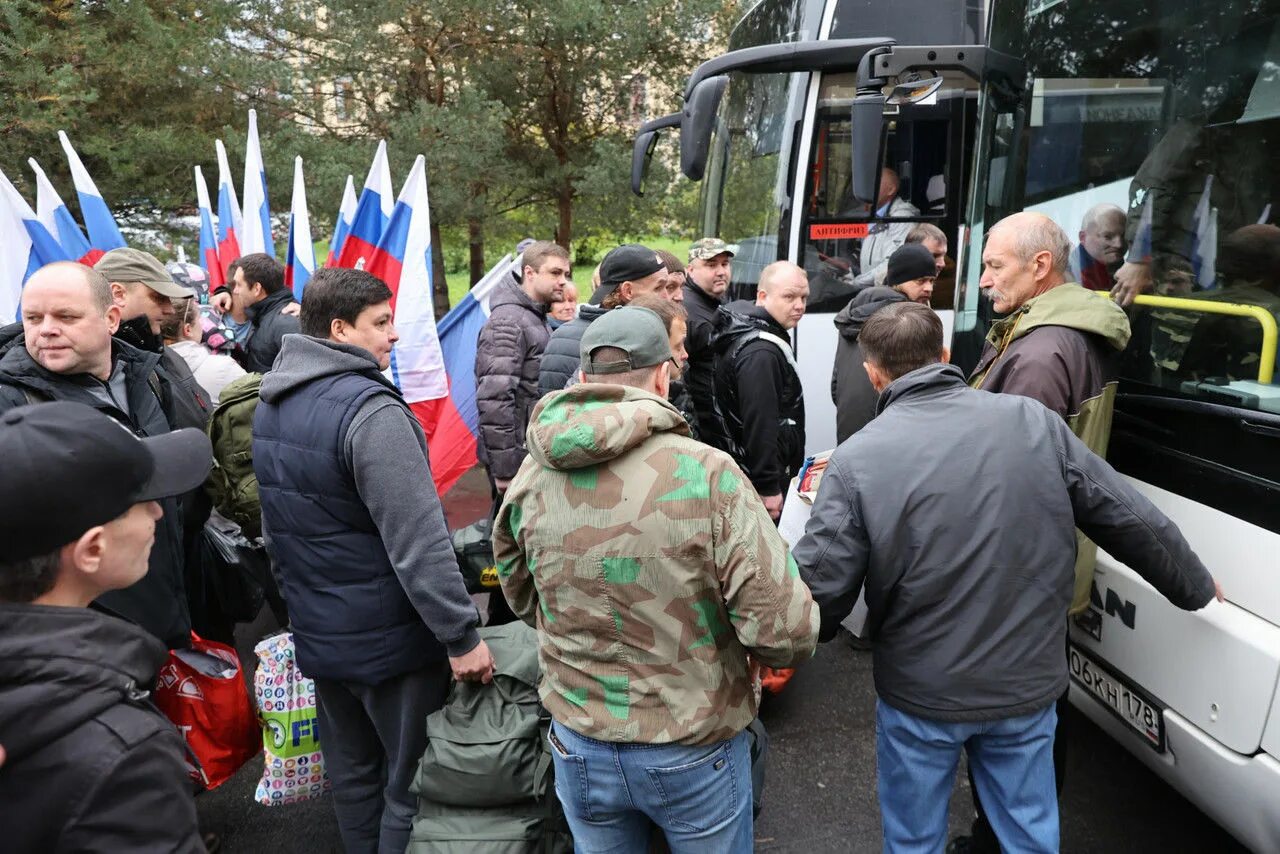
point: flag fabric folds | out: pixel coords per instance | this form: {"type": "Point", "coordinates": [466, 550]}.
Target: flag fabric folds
{"type": "Point", "coordinates": [459, 331]}
{"type": "Point", "coordinates": [25, 246]}
{"type": "Point", "coordinates": [229, 225]}
{"type": "Point", "coordinates": [256, 233]}
{"type": "Point", "coordinates": [402, 259]}
{"type": "Point", "coordinates": [300, 258]}
{"type": "Point", "coordinates": [342, 225]}
{"type": "Point", "coordinates": [373, 211]}
{"type": "Point", "coordinates": [1204, 239]}
{"type": "Point", "coordinates": [208, 240]}
{"type": "Point", "coordinates": [104, 234]}
{"type": "Point", "coordinates": [52, 213]}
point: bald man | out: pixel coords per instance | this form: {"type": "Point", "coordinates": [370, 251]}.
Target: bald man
{"type": "Point", "coordinates": [68, 317]}
{"type": "Point", "coordinates": [1058, 343]}
{"type": "Point", "coordinates": [757, 386]}
{"type": "Point", "coordinates": [886, 237]}
{"type": "Point", "coordinates": [1101, 251]}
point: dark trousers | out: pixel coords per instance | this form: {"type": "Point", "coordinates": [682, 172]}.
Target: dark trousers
{"type": "Point", "coordinates": [500, 612]}
{"type": "Point", "coordinates": [373, 737]}
{"type": "Point", "coordinates": [983, 837]}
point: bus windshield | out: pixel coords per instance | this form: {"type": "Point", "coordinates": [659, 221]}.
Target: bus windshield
{"type": "Point", "coordinates": [1149, 133]}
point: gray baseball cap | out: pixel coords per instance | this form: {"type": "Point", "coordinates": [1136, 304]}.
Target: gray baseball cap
{"type": "Point", "coordinates": [128, 265]}
{"type": "Point", "coordinates": [636, 331]}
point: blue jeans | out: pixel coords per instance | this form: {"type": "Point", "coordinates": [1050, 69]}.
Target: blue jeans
{"type": "Point", "coordinates": [1012, 765]}
{"type": "Point", "coordinates": [699, 796]}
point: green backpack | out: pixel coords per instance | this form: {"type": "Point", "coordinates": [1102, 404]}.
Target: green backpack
{"type": "Point", "coordinates": [232, 485]}
{"type": "Point", "coordinates": [485, 784]}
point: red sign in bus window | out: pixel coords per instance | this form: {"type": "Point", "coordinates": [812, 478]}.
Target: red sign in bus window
{"type": "Point", "coordinates": [839, 231]}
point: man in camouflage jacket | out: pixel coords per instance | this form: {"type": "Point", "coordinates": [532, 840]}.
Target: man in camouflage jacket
{"type": "Point", "coordinates": [652, 571]}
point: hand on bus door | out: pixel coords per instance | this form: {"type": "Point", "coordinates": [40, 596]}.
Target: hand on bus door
{"type": "Point", "coordinates": [1217, 591]}
{"type": "Point", "coordinates": [1131, 279]}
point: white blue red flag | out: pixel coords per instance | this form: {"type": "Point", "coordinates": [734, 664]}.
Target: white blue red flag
{"type": "Point", "coordinates": [104, 234]}
{"type": "Point", "coordinates": [1140, 249]}
{"type": "Point", "coordinates": [373, 211]}
{"type": "Point", "coordinates": [208, 239]}
{"type": "Point", "coordinates": [57, 220]}
{"type": "Point", "coordinates": [229, 226]}
{"type": "Point", "coordinates": [300, 260]}
{"type": "Point", "coordinates": [346, 213]}
{"type": "Point", "coordinates": [256, 236]}
{"type": "Point", "coordinates": [25, 246]}
{"type": "Point", "coordinates": [402, 259]}
{"type": "Point", "coordinates": [458, 331]}
{"type": "Point", "coordinates": [1204, 239]}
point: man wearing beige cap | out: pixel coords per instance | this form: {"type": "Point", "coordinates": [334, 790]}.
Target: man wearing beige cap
{"type": "Point", "coordinates": [144, 292]}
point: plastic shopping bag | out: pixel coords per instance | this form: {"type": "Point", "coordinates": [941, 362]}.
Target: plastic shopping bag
{"type": "Point", "coordinates": [294, 767]}
{"type": "Point", "coordinates": [202, 691]}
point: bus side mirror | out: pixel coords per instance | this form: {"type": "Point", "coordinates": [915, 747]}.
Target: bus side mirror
{"type": "Point", "coordinates": [867, 135]}
{"type": "Point", "coordinates": [641, 156]}
{"type": "Point", "coordinates": [695, 125]}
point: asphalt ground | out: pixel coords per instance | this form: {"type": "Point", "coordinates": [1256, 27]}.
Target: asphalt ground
{"type": "Point", "coordinates": [820, 793]}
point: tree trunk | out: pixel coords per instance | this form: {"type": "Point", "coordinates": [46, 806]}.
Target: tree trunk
{"type": "Point", "coordinates": [564, 205]}
{"type": "Point", "coordinates": [439, 284]}
{"type": "Point", "coordinates": [475, 236]}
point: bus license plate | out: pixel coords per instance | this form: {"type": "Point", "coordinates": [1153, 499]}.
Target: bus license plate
{"type": "Point", "coordinates": [1128, 705]}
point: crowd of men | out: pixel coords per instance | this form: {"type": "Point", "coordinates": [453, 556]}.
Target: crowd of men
{"type": "Point", "coordinates": [639, 445]}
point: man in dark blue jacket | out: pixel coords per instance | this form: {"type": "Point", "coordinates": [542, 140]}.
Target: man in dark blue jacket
{"type": "Point", "coordinates": [378, 608]}
{"type": "Point", "coordinates": [966, 618]}
{"type": "Point", "coordinates": [258, 289]}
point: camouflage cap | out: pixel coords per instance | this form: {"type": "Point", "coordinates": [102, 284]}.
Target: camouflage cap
{"type": "Point", "coordinates": [636, 331]}
{"type": "Point", "coordinates": [709, 247]}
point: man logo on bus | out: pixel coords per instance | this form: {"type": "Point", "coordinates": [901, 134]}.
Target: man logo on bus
{"type": "Point", "coordinates": [1113, 605]}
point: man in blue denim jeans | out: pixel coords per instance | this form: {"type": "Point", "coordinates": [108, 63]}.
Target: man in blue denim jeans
{"type": "Point", "coordinates": [651, 570]}
{"type": "Point", "coordinates": [966, 547]}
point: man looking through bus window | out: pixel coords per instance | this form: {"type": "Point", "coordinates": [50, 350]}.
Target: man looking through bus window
{"type": "Point", "coordinates": [967, 622]}
{"type": "Point", "coordinates": [927, 235]}
{"type": "Point", "coordinates": [706, 280]}
{"type": "Point", "coordinates": [1101, 251]}
{"type": "Point", "coordinates": [758, 388]}
{"type": "Point", "coordinates": [887, 236]}
{"type": "Point", "coordinates": [1058, 343]}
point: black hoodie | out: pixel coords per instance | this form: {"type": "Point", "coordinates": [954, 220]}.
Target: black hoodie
{"type": "Point", "coordinates": [758, 395]}
{"type": "Point", "coordinates": [851, 389]}
{"type": "Point", "coordinates": [91, 764]}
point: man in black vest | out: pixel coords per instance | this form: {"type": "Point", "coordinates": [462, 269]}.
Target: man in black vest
{"type": "Point", "coordinates": [378, 608]}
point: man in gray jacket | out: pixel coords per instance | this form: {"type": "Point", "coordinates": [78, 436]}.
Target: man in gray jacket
{"type": "Point", "coordinates": [966, 618]}
{"type": "Point", "coordinates": [378, 608]}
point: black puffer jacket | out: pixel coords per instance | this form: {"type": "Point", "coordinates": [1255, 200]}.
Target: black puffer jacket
{"type": "Point", "coordinates": [92, 765]}
{"type": "Point", "coordinates": [851, 390]}
{"type": "Point", "coordinates": [759, 396]}
{"type": "Point", "coordinates": [158, 602]}
{"type": "Point", "coordinates": [270, 325]}
{"type": "Point", "coordinates": [700, 376]}
{"type": "Point", "coordinates": [509, 355]}
{"type": "Point", "coordinates": [563, 356]}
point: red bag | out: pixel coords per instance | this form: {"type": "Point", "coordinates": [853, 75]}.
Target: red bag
{"type": "Point", "coordinates": [202, 691]}
{"type": "Point", "coordinates": [775, 679]}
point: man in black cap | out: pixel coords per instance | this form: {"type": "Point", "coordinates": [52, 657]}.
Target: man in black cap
{"type": "Point", "coordinates": [79, 502]}
{"type": "Point", "coordinates": [625, 273]}
{"type": "Point", "coordinates": [911, 272]}
{"type": "Point", "coordinates": [68, 317]}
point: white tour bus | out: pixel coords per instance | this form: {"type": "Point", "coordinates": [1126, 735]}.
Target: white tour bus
{"type": "Point", "coordinates": [1169, 110]}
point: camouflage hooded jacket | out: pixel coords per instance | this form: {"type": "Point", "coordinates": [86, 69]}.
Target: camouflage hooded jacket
{"type": "Point", "coordinates": [650, 569]}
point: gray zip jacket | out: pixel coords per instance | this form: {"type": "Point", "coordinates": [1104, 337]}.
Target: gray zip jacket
{"type": "Point", "coordinates": [956, 508]}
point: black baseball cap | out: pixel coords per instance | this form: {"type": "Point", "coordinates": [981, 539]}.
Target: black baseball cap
{"type": "Point", "coordinates": [909, 262]}
{"type": "Point", "coordinates": [629, 262]}
{"type": "Point", "coordinates": [69, 467]}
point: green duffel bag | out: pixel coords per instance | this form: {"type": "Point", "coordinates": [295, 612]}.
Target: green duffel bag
{"type": "Point", "coordinates": [535, 827]}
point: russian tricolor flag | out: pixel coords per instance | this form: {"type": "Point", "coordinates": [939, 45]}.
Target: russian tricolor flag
{"type": "Point", "coordinates": [208, 242]}
{"type": "Point", "coordinates": [346, 213]}
{"type": "Point", "coordinates": [57, 220]}
{"type": "Point", "coordinates": [229, 225]}
{"type": "Point", "coordinates": [25, 246]}
{"type": "Point", "coordinates": [300, 261]}
{"type": "Point", "coordinates": [459, 330]}
{"type": "Point", "coordinates": [402, 259]}
{"type": "Point", "coordinates": [256, 235]}
{"type": "Point", "coordinates": [373, 212]}
{"type": "Point", "coordinates": [104, 234]}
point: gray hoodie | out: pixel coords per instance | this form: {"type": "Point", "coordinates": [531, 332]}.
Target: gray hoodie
{"type": "Point", "coordinates": [383, 449]}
